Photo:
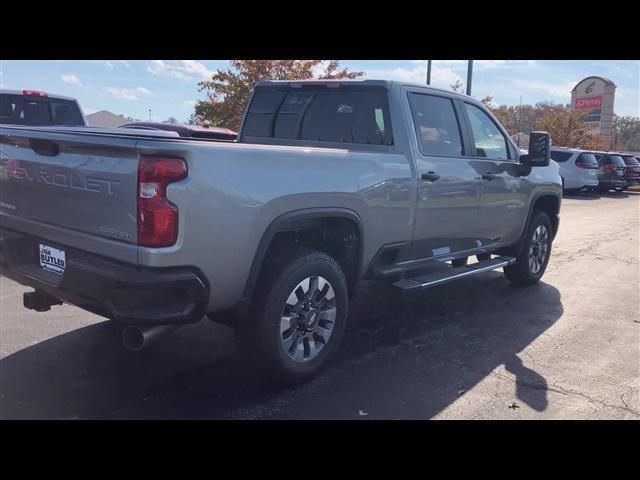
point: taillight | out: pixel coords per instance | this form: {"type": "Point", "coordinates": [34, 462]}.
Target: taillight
{"type": "Point", "coordinates": [157, 216]}
{"type": "Point", "coordinates": [611, 167]}
{"type": "Point", "coordinates": [34, 93]}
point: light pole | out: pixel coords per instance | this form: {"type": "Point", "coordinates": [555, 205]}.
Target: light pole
{"type": "Point", "coordinates": [428, 72]}
{"type": "Point", "coordinates": [469, 76]}
{"type": "Point", "coordinates": [149, 114]}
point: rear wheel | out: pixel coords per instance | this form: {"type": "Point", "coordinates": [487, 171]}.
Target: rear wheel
{"type": "Point", "coordinates": [532, 261]}
{"type": "Point", "coordinates": [298, 318]}
{"type": "Point", "coordinates": [601, 189]}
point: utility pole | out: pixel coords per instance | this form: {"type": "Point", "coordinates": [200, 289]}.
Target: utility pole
{"type": "Point", "coordinates": [149, 114]}
{"type": "Point", "coordinates": [519, 120]}
{"type": "Point", "coordinates": [469, 76]}
{"type": "Point", "coordinates": [428, 72]}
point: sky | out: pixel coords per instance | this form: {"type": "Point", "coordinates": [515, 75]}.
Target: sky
{"type": "Point", "coordinates": [169, 88]}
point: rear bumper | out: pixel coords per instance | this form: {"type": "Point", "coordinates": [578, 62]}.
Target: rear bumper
{"type": "Point", "coordinates": [612, 182]}
{"type": "Point", "coordinates": [115, 290]}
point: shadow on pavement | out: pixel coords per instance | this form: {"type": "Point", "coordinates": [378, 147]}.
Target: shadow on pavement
{"type": "Point", "coordinates": [582, 195]}
{"type": "Point", "coordinates": [404, 356]}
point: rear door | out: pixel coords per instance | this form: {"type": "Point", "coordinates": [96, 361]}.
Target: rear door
{"type": "Point", "coordinates": [447, 191]}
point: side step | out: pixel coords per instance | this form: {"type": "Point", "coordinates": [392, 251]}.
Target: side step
{"type": "Point", "coordinates": [433, 279]}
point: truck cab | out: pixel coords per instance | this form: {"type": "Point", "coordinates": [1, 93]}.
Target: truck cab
{"type": "Point", "coordinates": [34, 107]}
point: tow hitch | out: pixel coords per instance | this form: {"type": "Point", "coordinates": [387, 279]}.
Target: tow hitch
{"type": "Point", "coordinates": [40, 301]}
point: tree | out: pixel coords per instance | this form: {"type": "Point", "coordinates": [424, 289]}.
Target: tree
{"type": "Point", "coordinates": [457, 86]}
{"type": "Point", "coordinates": [487, 101]}
{"type": "Point", "coordinates": [567, 129]}
{"type": "Point", "coordinates": [171, 120]}
{"type": "Point", "coordinates": [229, 90]}
{"type": "Point", "coordinates": [626, 131]}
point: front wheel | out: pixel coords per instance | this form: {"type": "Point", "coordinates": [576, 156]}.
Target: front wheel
{"type": "Point", "coordinates": [534, 256]}
{"type": "Point", "coordinates": [298, 318]}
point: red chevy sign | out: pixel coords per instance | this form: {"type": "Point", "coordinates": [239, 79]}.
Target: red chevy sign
{"type": "Point", "coordinates": [587, 103]}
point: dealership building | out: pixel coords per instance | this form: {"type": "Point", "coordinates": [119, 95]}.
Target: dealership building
{"type": "Point", "coordinates": [595, 96]}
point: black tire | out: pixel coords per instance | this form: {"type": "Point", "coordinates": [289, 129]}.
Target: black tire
{"type": "Point", "coordinates": [260, 334]}
{"type": "Point", "coordinates": [601, 189]}
{"type": "Point", "coordinates": [459, 262]}
{"type": "Point", "coordinates": [522, 272]}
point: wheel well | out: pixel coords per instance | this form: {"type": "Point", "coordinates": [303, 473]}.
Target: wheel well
{"type": "Point", "coordinates": [550, 204]}
{"type": "Point", "coordinates": [337, 236]}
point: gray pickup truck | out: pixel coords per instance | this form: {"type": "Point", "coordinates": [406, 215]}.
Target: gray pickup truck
{"type": "Point", "coordinates": [328, 183]}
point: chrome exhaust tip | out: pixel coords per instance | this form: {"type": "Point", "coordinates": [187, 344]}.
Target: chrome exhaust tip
{"type": "Point", "coordinates": [137, 337]}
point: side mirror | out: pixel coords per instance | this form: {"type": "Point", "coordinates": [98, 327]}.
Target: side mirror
{"type": "Point", "coordinates": [539, 150]}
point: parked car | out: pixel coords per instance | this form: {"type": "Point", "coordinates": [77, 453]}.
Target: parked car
{"type": "Point", "coordinates": [578, 168]}
{"type": "Point", "coordinates": [610, 172]}
{"type": "Point", "coordinates": [330, 182]}
{"type": "Point", "coordinates": [632, 170]}
{"type": "Point", "coordinates": [32, 107]}
{"type": "Point", "coordinates": [190, 131]}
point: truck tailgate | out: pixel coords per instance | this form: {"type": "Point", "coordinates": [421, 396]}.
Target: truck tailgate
{"type": "Point", "coordinates": [82, 183]}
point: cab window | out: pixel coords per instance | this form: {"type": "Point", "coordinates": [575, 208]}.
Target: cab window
{"type": "Point", "coordinates": [487, 138]}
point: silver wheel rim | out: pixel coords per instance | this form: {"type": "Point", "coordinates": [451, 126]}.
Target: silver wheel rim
{"type": "Point", "coordinates": [538, 249]}
{"type": "Point", "coordinates": [308, 319]}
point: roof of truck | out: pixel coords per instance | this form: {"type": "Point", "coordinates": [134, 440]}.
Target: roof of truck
{"type": "Point", "coordinates": [49, 95]}
{"type": "Point", "coordinates": [369, 82]}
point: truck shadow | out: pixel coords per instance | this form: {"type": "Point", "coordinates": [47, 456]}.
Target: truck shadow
{"type": "Point", "coordinates": [581, 195]}
{"type": "Point", "coordinates": [404, 356]}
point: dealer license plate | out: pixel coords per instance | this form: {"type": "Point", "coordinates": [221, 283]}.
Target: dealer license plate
{"type": "Point", "coordinates": [52, 259]}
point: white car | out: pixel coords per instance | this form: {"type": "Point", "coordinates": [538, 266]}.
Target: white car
{"type": "Point", "coordinates": [578, 168]}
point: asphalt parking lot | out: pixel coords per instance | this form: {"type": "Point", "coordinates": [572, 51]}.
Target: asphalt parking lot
{"type": "Point", "coordinates": [568, 347]}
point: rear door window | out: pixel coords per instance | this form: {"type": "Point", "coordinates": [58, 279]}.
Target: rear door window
{"type": "Point", "coordinates": [436, 125]}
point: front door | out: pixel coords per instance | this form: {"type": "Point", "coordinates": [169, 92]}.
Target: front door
{"type": "Point", "coordinates": [448, 186]}
{"type": "Point", "coordinates": [503, 190]}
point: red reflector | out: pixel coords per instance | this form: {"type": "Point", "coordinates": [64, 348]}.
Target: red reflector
{"type": "Point", "coordinates": [157, 216]}
{"type": "Point", "coordinates": [34, 93]}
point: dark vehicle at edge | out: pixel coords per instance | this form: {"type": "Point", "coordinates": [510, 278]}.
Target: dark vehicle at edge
{"type": "Point", "coordinates": [631, 170]}
{"type": "Point", "coordinates": [611, 172]}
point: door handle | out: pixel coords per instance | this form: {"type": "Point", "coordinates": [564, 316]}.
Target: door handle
{"type": "Point", "coordinates": [430, 176]}
{"type": "Point", "coordinates": [488, 176]}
